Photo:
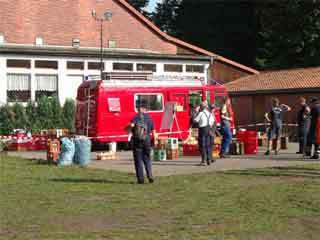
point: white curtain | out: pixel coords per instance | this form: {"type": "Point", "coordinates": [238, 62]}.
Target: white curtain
{"type": "Point", "coordinates": [47, 82]}
{"type": "Point", "coordinates": [18, 82]}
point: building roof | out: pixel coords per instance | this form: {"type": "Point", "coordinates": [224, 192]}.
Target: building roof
{"type": "Point", "coordinates": [283, 80]}
{"type": "Point", "coordinates": [182, 43]}
{"type": "Point", "coordinates": [92, 52]}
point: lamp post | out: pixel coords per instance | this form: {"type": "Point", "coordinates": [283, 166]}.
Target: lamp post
{"type": "Point", "coordinates": [106, 17]}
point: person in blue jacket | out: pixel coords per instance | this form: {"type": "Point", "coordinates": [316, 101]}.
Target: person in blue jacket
{"type": "Point", "coordinates": [142, 127]}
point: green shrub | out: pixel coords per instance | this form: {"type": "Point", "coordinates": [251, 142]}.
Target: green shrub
{"type": "Point", "coordinates": [45, 114]}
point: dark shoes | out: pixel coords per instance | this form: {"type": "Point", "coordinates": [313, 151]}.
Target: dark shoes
{"type": "Point", "coordinates": [315, 157]}
{"type": "Point", "coordinates": [151, 180]}
{"type": "Point", "coordinates": [267, 153]}
{"type": "Point", "coordinates": [222, 156]}
{"type": "Point", "coordinates": [299, 152]}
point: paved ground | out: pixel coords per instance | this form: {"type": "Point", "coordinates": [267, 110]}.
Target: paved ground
{"type": "Point", "coordinates": [189, 165]}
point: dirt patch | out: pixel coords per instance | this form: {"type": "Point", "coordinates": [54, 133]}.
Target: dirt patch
{"type": "Point", "coordinates": [123, 218]}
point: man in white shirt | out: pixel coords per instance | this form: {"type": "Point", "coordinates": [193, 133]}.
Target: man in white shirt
{"type": "Point", "coordinates": [205, 120]}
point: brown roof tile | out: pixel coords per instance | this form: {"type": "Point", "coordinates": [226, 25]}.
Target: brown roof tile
{"type": "Point", "coordinates": [301, 78]}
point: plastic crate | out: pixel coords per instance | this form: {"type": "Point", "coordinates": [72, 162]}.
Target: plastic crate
{"type": "Point", "coordinates": [173, 143]}
{"type": "Point", "coordinates": [190, 150]}
{"type": "Point", "coordinates": [172, 154]}
{"type": "Point", "coordinates": [159, 155]}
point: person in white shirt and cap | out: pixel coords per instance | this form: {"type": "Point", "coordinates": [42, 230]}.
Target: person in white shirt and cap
{"type": "Point", "coordinates": [205, 120]}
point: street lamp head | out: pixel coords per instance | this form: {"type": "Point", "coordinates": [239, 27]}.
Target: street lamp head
{"type": "Point", "coordinates": [108, 15]}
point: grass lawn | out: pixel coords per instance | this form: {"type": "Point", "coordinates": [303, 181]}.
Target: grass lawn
{"type": "Point", "coordinates": [38, 201]}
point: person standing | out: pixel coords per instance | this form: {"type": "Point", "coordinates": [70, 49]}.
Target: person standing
{"type": "Point", "coordinates": [226, 118]}
{"type": "Point", "coordinates": [315, 115]}
{"type": "Point", "coordinates": [303, 120]}
{"type": "Point", "coordinates": [275, 118]}
{"type": "Point", "coordinates": [205, 121]}
{"type": "Point", "coordinates": [142, 127]}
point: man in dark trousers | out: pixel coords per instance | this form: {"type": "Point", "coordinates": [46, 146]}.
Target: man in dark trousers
{"type": "Point", "coordinates": [205, 121]}
{"type": "Point", "coordinates": [142, 127]}
{"type": "Point", "coordinates": [303, 120]}
{"type": "Point", "coordinates": [315, 114]}
{"type": "Point", "coordinates": [275, 118]}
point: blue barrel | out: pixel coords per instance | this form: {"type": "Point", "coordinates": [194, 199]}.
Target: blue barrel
{"type": "Point", "coordinates": [67, 152]}
{"type": "Point", "coordinates": [82, 154]}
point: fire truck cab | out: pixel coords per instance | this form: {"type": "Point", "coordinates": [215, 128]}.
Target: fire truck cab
{"type": "Point", "coordinates": [106, 107]}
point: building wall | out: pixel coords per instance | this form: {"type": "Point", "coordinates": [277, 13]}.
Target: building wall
{"type": "Point", "coordinates": [60, 21]}
{"type": "Point", "coordinates": [224, 73]}
{"type": "Point", "coordinates": [251, 109]}
{"type": "Point", "coordinates": [70, 79]}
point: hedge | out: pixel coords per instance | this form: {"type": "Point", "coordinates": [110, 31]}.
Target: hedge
{"type": "Point", "coordinates": [47, 113]}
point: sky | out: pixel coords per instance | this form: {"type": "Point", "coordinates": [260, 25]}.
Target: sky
{"type": "Point", "coordinates": [152, 5]}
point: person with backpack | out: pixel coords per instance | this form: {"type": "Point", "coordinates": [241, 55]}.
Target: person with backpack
{"type": "Point", "coordinates": [142, 127]}
{"type": "Point", "coordinates": [205, 120]}
{"type": "Point", "coordinates": [275, 118]}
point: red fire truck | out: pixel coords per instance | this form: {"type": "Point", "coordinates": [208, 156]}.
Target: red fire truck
{"type": "Point", "coordinates": [106, 107]}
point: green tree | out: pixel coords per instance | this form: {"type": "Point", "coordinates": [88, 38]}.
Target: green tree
{"type": "Point", "coordinates": [32, 118]}
{"type": "Point", "coordinates": [19, 116]}
{"type": "Point", "coordinates": [68, 114]}
{"type": "Point", "coordinates": [289, 34]}
{"type": "Point", "coordinates": [56, 113]}
{"type": "Point", "coordinates": [227, 28]}
{"type": "Point", "coordinates": [165, 16]}
{"type": "Point", "coordinates": [44, 113]}
{"type": "Point", "coordinates": [6, 119]}
{"type": "Point", "coordinates": [139, 4]}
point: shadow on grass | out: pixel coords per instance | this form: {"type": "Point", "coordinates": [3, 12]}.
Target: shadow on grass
{"type": "Point", "coordinates": [293, 172]}
{"type": "Point", "coordinates": [94, 181]}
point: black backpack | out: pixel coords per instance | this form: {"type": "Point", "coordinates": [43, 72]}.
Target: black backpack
{"type": "Point", "coordinates": [140, 130]}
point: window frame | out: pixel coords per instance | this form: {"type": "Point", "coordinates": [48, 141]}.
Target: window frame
{"type": "Point", "coordinates": [146, 94]}
{"type": "Point", "coordinates": [123, 70]}
{"type": "Point", "coordinates": [172, 64]}
{"type": "Point", "coordinates": [151, 64]}
{"type": "Point", "coordinates": [26, 92]}
{"type": "Point", "coordinates": [195, 65]}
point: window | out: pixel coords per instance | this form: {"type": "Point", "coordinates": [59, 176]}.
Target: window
{"type": "Point", "coordinates": [173, 68]}
{"type": "Point", "coordinates": [195, 68]}
{"type": "Point", "coordinates": [76, 42]}
{"type": "Point", "coordinates": [18, 63]}
{"type": "Point", "coordinates": [112, 44]}
{"type": "Point", "coordinates": [195, 98]}
{"type": "Point", "coordinates": [46, 85]}
{"type": "Point", "coordinates": [46, 64]}
{"type": "Point", "coordinates": [39, 41]}
{"type": "Point", "coordinates": [154, 102]}
{"type": "Point", "coordinates": [18, 87]}
{"type": "Point", "coordinates": [144, 67]}
{"type": "Point", "coordinates": [123, 66]}
{"type": "Point", "coordinates": [75, 65]}
{"type": "Point", "coordinates": [218, 101]}
{"type": "Point", "coordinates": [95, 65]}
